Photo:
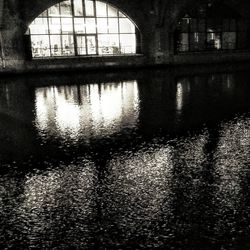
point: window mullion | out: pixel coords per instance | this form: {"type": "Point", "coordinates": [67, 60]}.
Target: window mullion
{"type": "Point", "coordinates": [119, 32]}
{"type": "Point", "coordinates": [60, 13]}
{"type": "Point", "coordinates": [206, 34]}
{"type": "Point", "coordinates": [73, 23]}
{"type": "Point", "coordinates": [49, 33]}
{"type": "Point", "coordinates": [189, 34]}
{"type": "Point", "coordinates": [236, 34]}
{"type": "Point", "coordinates": [96, 36]}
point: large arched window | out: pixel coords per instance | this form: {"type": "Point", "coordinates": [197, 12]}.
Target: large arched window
{"type": "Point", "coordinates": [210, 27]}
{"type": "Point", "coordinates": [82, 28]}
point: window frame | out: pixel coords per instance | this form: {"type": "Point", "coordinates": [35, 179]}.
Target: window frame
{"type": "Point", "coordinates": [119, 16]}
{"type": "Point", "coordinates": [207, 46]}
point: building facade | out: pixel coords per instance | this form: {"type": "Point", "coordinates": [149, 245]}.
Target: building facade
{"type": "Point", "coordinates": [84, 34]}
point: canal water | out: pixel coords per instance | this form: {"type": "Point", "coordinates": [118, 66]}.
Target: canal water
{"type": "Point", "coordinates": [154, 159]}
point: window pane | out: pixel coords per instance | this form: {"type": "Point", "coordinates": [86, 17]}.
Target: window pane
{"type": "Point", "coordinates": [229, 40]}
{"type": "Point", "coordinates": [91, 45]}
{"type": "Point", "coordinates": [44, 14]}
{"type": "Point", "coordinates": [101, 9]}
{"type": "Point", "coordinates": [242, 40]}
{"type": "Point", "coordinates": [66, 8]}
{"type": "Point", "coordinates": [226, 25]}
{"type": "Point", "coordinates": [90, 25]}
{"type": "Point", "coordinates": [182, 43]}
{"type": "Point", "coordinates": [81, 45]}
{"type": "Point", "coordinates": [56, 47]}
{"type": "Point", "coordinates": [54, 25]}
{"type": "Point", "coordinates": [79, 25]}
{"type": "Point", "coordinates": [89, 8]}
{"type": "Point", "coordinates": [229, 25]}
{"type": "Point", "coordinates": [128, 43]}
{"type": "Point", "coordinates": [102, 26]}
{"type": "Point", "coordinates": [108, 44]}
{"type": "Point", "coordinates": [126, 26]}
{"type": "Point", "coordinates": [40, 46]}
{"type": "Point", "coordinates": [197, 41]}
{"type": "Point", "coordinates": [114, 43]}
{"type": "Point", "coordinates": [241, 26]}
{"type": "Point", "coordinates": [184, 24]}
{"type": "Point", "coordinates": [78, 8]}
{"type": "Point", "coordinates": [112, 12]}
{"type": "Point", "coordinates": [68, 45]}
{"type": "Point", "coordinates": [121, 14]}
{"type": "Point", "coordinates": [54, 10]}
{"type": "Point", "coordinates": [39, 26]}
{"type": "Point", "coordinates": [113, 25]}
{"type": "Point", "coordinates": [193, 25]}
{"type": "Point", "coordinates": [67, 25]}
{"type": "Point", "coordinates": [103, 43]}
{"type": "Point", "coordinates": [202, 25]}
{"type": "Point", "coordinates": [214, 25]}
{"type": "Point", "coordinates": [233, 25]}
{"type": "Point", "coordinates": [213, 41]}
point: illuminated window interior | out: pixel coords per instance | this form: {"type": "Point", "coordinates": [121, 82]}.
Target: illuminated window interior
{"type": "Point", "coordinates": [212, 27]}
{"type": "Point", "coordinates": [82, 28]}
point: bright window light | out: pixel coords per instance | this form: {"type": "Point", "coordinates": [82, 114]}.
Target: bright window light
{"type": "Point", "coordinates": [82, 27]}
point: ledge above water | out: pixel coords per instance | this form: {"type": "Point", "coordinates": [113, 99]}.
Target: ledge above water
{"type": "Point", "coordinates": [119, 62]}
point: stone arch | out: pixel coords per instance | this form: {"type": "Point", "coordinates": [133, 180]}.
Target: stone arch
{"type": "Point", "coordinates": [39, 7]}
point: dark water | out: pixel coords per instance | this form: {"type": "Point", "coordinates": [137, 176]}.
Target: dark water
{"type": "Point", "coordinates": [153, 160]}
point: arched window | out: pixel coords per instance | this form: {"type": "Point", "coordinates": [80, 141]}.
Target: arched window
{"type": "Point", "coordinates": [211, 27]}
{"type": "Point", "coordinates": [82, 28]}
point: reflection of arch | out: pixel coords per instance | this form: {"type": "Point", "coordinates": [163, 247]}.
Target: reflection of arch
{"type": "Point", "coordinates": [210, 26]}
{"type": "Point", "coordinates": [82, 27]}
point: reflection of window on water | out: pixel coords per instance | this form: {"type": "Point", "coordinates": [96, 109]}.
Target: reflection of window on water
{"type": "Point", "coordinates": [87, 110]}
{"type": "Point", "coordinates": [213, 28]}
{"type": "Point", "coordinates": [82, 27]}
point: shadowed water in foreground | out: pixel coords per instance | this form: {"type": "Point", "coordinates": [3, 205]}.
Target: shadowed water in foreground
{"type": "Point", "coordinates": [153, 160]}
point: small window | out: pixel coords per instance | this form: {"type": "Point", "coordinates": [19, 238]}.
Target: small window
{"type": "Point", "coordinates": [213, 29]}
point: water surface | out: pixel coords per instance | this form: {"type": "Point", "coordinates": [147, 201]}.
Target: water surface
{"type": "Point", "coordinates": [142, 160]}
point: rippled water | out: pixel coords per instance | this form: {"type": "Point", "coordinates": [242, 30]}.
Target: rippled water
{"type": "Point", "coordinates": [152, 160]}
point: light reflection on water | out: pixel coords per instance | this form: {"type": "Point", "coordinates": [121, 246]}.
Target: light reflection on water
{"type": "Point", "coordinates": [183, 90]}
{"type": "Point", "coordinates": [87, 110]}
{"type": "Point", "coordinates": [145, 183]}
{"type": "Point", "coordinates": [56, 203]}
